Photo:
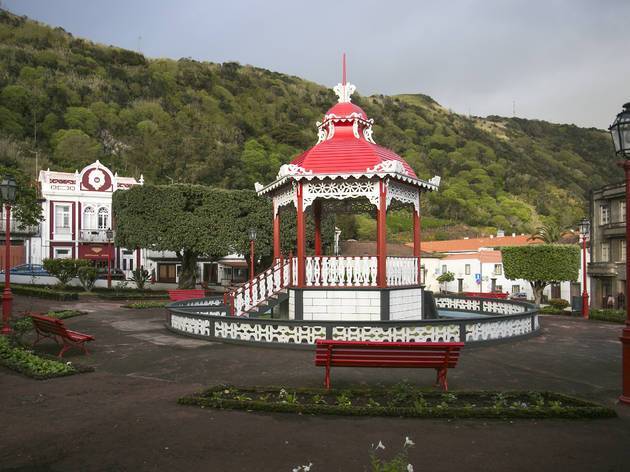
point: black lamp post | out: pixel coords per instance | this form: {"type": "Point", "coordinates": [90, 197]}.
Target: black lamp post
{"type": "Point", "coordinates": [8, 189]}
{"type": "Point", "coordinates": [585, 229]}
{"type": "Point", "coordinates": [252, 240]}
{"type": "Point", "coordinates": [110, 235]}
{"type": "Point", "coordinates": [620, 131]}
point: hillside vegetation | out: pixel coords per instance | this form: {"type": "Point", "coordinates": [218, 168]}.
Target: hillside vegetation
{"type": "Point", "coordinates": [72, 101]}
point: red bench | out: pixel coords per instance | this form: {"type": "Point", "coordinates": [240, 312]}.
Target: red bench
{"type": "Point", "coordinates": [438, 356]}
{"type": "Point", "coordinates": [186, 294]}
{"type": "Point", "coordinates": [47, 327]}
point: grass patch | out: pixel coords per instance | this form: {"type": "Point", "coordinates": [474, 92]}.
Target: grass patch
{"type": "Point", "coordinates": [399, 400]}
{"type": "Point", "coordinates": [615, 316]}
{"type": "Point", "coordinates": [25, 361]}
{"type": "Point", "coordinates": [145, 305]}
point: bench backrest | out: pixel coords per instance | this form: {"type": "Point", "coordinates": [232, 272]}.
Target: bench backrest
{"type": "Point", "coordinates": [387, 354]}
{"type": "Point", "coordinates": [46, 324]}
{"type": "Point", "coordinates": [185, 294]}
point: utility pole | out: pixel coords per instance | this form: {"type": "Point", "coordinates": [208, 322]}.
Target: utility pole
{"type": "Point", "coordinates": [513, 108]}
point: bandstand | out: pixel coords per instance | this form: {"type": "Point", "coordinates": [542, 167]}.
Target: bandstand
{"type": "Point", "coordinates": [346, 171]}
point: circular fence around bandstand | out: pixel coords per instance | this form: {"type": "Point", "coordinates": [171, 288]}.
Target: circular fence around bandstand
{"type": "Point", "coordinates": [489, 320]}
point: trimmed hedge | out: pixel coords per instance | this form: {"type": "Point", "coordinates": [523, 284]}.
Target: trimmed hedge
{"type": "Point", "coordinates": [614, 316]}
{"type": "Point", "coordinates": [147, 304]}
{"type": "Point", "coordinates": [133, 296]}
{"type": "Point", "coordinates": [406, 401]}
{"type": "Point", "coordinates": [43, 292]}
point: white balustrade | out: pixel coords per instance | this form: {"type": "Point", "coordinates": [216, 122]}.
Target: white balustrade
{"type": "Point", "coordinates": [402, 271]}
{"type": "Point", "coordinates": [323, 271]}
{"type": "Point", "coordinates": [262, 287]}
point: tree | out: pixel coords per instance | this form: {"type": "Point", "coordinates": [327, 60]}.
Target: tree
{"type": "Point", "coordinates": [74, 148]}
{"type": "Point", "coordinates": [445, 278]}
{"type": "Point", "coordinates": [65, 269]}
{"type": "Point", "coordinates": [26, 209]}
{"type": "Point", "coordinates": [541, 264]}
{"type": "Point", "coordinates": [548, 234]}
{"type": "Point", "coordinates": [193, 221]}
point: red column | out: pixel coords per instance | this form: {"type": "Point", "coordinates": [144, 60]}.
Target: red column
{"type": "Point", "coordinates": [381, 236]}
{"type": "Point", "coordinates": [625, 334]}
{"type": "Point", "coordinates": [277, 251]}
{"type": "Point", "coordinates": [7, 296]}
{"type": "Point", "coordinates": [416, 241]}
{"type": "Point", "coordinates": [317, 216]}
{"type": "Point", "coordinates": [301, 237]}
{"type": "Point", "coordinates": [584, 290]}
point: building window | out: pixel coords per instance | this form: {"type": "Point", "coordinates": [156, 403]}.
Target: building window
{"type": "Point", "coordinates": [604, 215]}
{"type": "Point", "coordinates": [498, 270]}
{"type": "Point", "coordinates": [444, 269]}
{"type": "Point", "coordinates": [622, 211]}
{"type": "Point", "coordinates": [89, 218]}
{"type": "Point", "coordinates": [62, 253]}
{"type": "Point", "coordinates": [62, 219]}
{"type": "Point", "coordinates": [605, 249]}
{"type": "Point", "coordinates": [622, 251]}
{"type": "Point", "coordinates": [103, 218]}
{"type": "Point", "coordinates": [467, 269]}
{"type": "Point", "coordinates": [516, 288]}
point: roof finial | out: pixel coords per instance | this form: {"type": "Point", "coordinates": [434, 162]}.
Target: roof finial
{"type": "Point", "coordinates": [344, 90]}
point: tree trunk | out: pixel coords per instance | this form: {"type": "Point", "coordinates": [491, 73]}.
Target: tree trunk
{"type": "Point", "coordinates": [538, 287]}
{"type": "Point", "coordinates": [187, 275]}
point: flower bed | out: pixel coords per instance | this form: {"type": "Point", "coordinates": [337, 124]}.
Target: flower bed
{"type": "Point", "coordinates": [25, 361]}
{"type": "Point", "coordinates": [146, 304]}
{"type": "Point", "coordinates": [23, 324]}
{"type": "Point", "coordinates": [399, 400]}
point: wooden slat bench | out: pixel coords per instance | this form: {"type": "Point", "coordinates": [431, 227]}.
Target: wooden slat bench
{"type": "Point", "coordinates": [47, 327]}
{"type": "Point", "coordinates": [438, 356]}
{"type": "Point", "coordinates": [186, 294]}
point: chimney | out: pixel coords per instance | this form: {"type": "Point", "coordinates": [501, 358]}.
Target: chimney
{"type": "Point", "coordinates": [500, 233]}
{"type": "Point", "coordinates": [513, 235]}
{"type": "Point", "coordinates": [491, 236]}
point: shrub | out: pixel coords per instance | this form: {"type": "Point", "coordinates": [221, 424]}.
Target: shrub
{"type": "Point", "coordinates": [43, 292]}
{"type": "Point", "coordinates": [64, 269]}
{"type": "Point", "coordinates": [87, 277]}
{"type": "Point", "coordinates": [558, 303]}
{"type": "Point", "coordinates": [615, 316]}
{"type": "Point", "coordinates": [140, 277]}
{"type": "Point", "coordinates": [146, 304]}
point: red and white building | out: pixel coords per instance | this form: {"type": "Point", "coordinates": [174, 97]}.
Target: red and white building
{"type": "Point", "coordinates": [77, 209]}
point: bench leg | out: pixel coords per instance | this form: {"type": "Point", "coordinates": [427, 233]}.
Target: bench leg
{"type": "Point", "coordinates": [63, 349]}
{"type": "Point", "coordinates": [441, 378]}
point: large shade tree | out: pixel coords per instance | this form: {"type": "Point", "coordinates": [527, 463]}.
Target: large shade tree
{"type": "Point", "coordinates": [26, 209]}
{"type": "Point", "coordinates": [541, 264]}
{"type": "Point", "coordinates": [192, 220]}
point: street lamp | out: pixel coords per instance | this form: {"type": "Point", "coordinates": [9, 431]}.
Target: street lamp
{"type": "Point", "coordinates": [8, 189]}
{"type": "Point", "coordinates": [620, 132]}
{"type": "Point", "coordinates": [337, 234]}
{"type": "Point", "coordinates": [252, 240]}
{"type": "Point", "coordinates": [585, 229]}
{"type": "Point", "coordinates": [110, 235]}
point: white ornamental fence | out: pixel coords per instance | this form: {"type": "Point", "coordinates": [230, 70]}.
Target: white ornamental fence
{"type": "Point", "coordinates": [322, 271]}
{"type": "Point", "coordinates": [402, 271]}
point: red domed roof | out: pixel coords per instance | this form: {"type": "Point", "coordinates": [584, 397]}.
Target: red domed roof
{"type": "Point", "coordinates": [346, 109]}
{"type": "Point", "coordinates": [344, 153]}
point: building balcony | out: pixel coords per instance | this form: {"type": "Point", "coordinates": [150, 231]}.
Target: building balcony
{"type": "Point", "coordinates": [614, 229]}
{"type": "Point", "coordinates": [603, 269]}
{"type": "Point", "coordinates": [17, 228]}
{"type": "Point", "coordinates": [94, 236]}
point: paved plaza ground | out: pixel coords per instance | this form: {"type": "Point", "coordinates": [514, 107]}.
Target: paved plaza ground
{"type": "Point", "coordinates": [124, 416]}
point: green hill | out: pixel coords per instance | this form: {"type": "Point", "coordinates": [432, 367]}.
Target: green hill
{"type": "Point", "coordinates": [72, 101]}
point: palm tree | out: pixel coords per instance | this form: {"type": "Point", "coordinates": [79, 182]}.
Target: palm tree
{"type": "Point", "coordinates": [548, 234]}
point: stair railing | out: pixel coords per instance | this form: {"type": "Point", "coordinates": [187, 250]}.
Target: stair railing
{"type": "Point", "coordinates": [263, 286]}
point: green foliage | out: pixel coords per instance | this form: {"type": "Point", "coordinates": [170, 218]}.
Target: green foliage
{"type": "Point", "coordinates": [446, 277]}
{"type": "Point", "coordinates": [146, 304]}
{"type": "Point", "coordinates": [64, 269]}
{"type": "Point", "coordinates": [229, 125]}
{"type": "Point", "coordinates": [558, 303]}
{"type": "Point", "coordinates": [614, 316]}
{"type": "Point", "coordinates": [24, 323]}
{"type": "Point", "coordinates": [26, 362]}
{"type": "Point", "coordinates": [548, 234]}
{"type": "Point", "coordinates": [87, 276]}
{"type": "Point", "coordinates": [541, 264]}
{"type": "Point", "coordinates": [140, 277]}
{"type": "Point", "coordinates": [43, 292]}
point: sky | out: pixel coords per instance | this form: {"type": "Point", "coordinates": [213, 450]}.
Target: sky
{"type": "Point", "coordinates": [564, 61]}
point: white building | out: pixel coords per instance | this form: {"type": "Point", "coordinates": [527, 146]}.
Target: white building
{"type": "Point", "coordinates": [478, 267]}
